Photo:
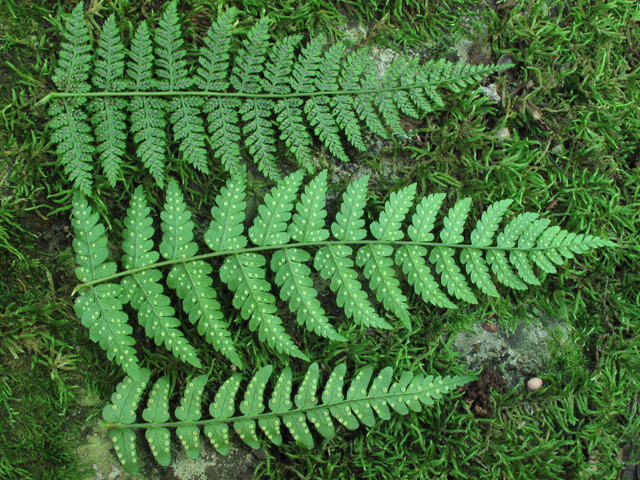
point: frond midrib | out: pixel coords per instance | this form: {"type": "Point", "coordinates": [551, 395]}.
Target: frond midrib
{"type": "Point", "coordinates": [308, 244]}
{"type": "Point", "coordinates": [206, 93]}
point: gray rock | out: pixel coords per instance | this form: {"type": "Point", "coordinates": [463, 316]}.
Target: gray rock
{"type": "Point", "coordinates": [518, 355]}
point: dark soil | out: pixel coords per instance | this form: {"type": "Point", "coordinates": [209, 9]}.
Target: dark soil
{"type": "Point", "coordinates": [478, 393]}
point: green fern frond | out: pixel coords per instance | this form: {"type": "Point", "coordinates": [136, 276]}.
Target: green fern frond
{"type": "Point", "coordinates": [285, 236]}
{"type": "Point", "coordinates": [307, 409]}
{"type": "Point", "coordinates": [214, 55]}
{"type": "Point", "coordinates": [143, 289]}
{"type": "Point", "coordinates": [171, 65]}
{"type": "Point", "coordinates": [108, 113]}
{"type": "Point", "coordinates": [250, 59]}
{"type": "Point", "coordinates": [279, 66]}
{"type": "Point", "coordinates": [147, 113]}
{"type": "Point", "coordinates": [99, 307]}
{"type": "Point", "coordinates": [265, 93]}
{"type": "Point", "coordinates": [192, 281]}
{"type": "Point", "coordinates": [72, 132]}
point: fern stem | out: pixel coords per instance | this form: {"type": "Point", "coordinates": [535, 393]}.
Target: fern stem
{"type": "Point", "coordinates": [277, 96]}
{"type": "Point", "coordinates": [300, 245]}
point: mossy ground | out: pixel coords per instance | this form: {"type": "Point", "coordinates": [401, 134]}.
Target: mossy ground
{"type": "Point", "coordinates": [579, 164]}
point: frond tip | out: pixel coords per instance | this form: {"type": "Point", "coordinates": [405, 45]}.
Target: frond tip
{"type": "Point", "coordinates": [284, 237]}
{"type": "Point", "coordinates": [285, 410]}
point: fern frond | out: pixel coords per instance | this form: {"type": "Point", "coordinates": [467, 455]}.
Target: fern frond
{"type": "Point", "coordinates": [99, 307]}
{"type": "Point", "coordinates": [334, 262]}
{"type": "Point", "coordinates": [336, 93]}
{"type": "Point", "coordinates": [249, 60]}
{"type": "Point", "coordinates": [279, 67]}
{"type": "Point", "coordinates": [108, 113]}
{"type": "Point", "coordinates": [287, 240]}
{"type": "Point", "coordinates": [304, 71]}
{"type": "Point", "coordinates": [72, 132]}
{"type": "Point", "coordinates": [214, 55]}
{"type": "Point", "coordinates": [143, 289]}
{"type": "Point", "coordinates": [260, 139]}
{"type": "Point", "coordinates": [411, 257]}
{"type": "Point", "coordinates": [225, 133]}
{"type": "Point", "coordinates": [147, 113]}
{"type": "Point", "coordinates": [482, 236]}
{"type": "Point", "coordinates": [192, 281]}
{"type": "Point", "coordinates": [442, 257]}
{"type": "Point", "coordinates": [363, 397]}
{"type": "Point", "coordinates": [122, 410]}
{"type": "Point", "coordinates": [292, 275]}
{"type": "Point", "coordinates": [376, 259]}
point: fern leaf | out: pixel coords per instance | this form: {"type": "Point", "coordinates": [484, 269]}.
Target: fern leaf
{"type": "Point", "coordinates": [333, 262]}
{"type": "Point", "coordinates": [497, 258]}
{"type": "Point", "coordinates": [280, 402]}
{"type": "Point", "coordinates": [225, 231]}
{"type": "Point", "coordinates": [344, 105]}
{"type": "Point", "coordinates": [225, 133]}
{"type": "Point", "coordinates": [263, 80]}
{"type": "Point", "coordinates": [293, 131]}
{"type": "Point", "coordinates": [192, 281]}
{"type": "Point", "coordinates": [214, 56]}
{"type": "Point", "coordinates": [376, 259]}
{"type": "Point", "coordinates": [319, 116]}
{"type": "Point", "coordinates": [222, 407]}
{"type": "Point", "coordinates": [122, 410]}
{"type": "Point", "coordinates": [245, 273]}
{"type": "Point", "coordinates": [329, 68]}
{"type": "Point", "coordinates": [356, 406]}
{"type": "Point", "coordinates": [364, 103]}
{"type": "Point", "coordinates": [98, 307]}
{"type": "Point", "coordinates": [277, 70]}
{"type": "Point", "coordinates": [108, 115]}
{"type": "Point", "coordinates": [253, 405]}
{"type": "Point", "coordinates": [147, 117]}
{"type": "Point", "coordinates": [482, 236]}
{"type": "Point", "coordinates": [190, 410]}
{"type": "Point", "coordinates": [442, 257]}
{"type": "Point", "coordinates": [187, 124]}
{"type": "Point", "coordinates": [289, 235]}
{"type": "Point", "coordinates": [261, 137]}
{"type": "Point", "coordinates": [305, 69]}
{"type": "Point", "coordinates": [143, 289]}
{"type": "Point", "coordinates": [249, 60]}
{"type": "Point", "coordinates": [169, 53]}
{"type": "Point", "coordinates": [157, 411]}
{"type": "Point", "coordinates": [527, 240]}
{"type": "Point", "coordinates": [72, 132]}
{"type": "Point", "coordinates": [411, 257]}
